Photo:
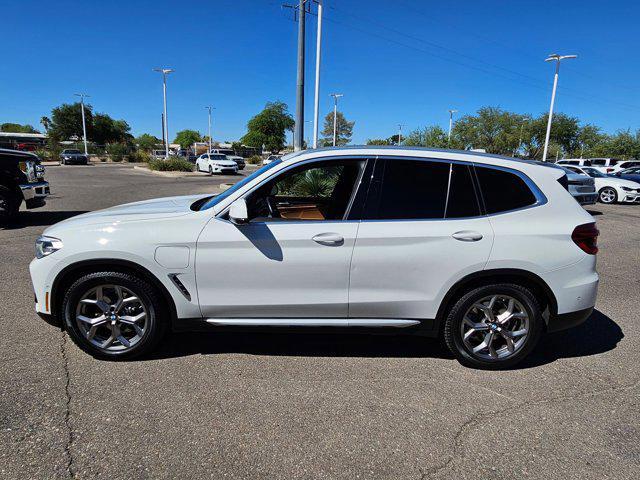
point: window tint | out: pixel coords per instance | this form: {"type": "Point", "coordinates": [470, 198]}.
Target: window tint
{"type": "Point", "coordinates": [503, 191]}
{"type": "Point", "coordinates": [413, 189]}
{"type": "Point", "coordinates": [318, 191]}
{"type": "Point", "coordinates": [462, 196]}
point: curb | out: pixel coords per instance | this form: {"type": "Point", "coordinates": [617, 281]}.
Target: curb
{"type": "Point", "coordinates": [168, 174]}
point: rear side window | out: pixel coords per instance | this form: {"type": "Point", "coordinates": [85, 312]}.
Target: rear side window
{"type": "Point", "coordinates": [600, 162]}
{"type": "Point", "coordinates": [463, 201]}
{"type": "Point", "coordinates": [413, 189]}
{"type": "Point", "coordinates": [503, 191]}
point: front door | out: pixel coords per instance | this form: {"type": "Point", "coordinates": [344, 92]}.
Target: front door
{"type": "Point", "coordinates": [292, 259]}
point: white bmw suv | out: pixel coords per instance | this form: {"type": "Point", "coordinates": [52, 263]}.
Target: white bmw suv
{"type": "Point", "coordinates": [487, 252]}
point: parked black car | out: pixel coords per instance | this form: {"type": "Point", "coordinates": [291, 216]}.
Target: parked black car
{"type": "Point", "coordinates": [21, 178]}
{"type": "Point", "coordinates": [71, 155]}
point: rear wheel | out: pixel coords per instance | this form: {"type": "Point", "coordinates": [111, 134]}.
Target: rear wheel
{"type": "Point", "coordinates": [494, 326]}
{"type": "Point", "coordinates": [608, 195]}
{"type": "Point", "coordinates": [113, 315]}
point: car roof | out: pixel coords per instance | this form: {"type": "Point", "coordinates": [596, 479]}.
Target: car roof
{"type": "Point", "coordinates": [5, 152]}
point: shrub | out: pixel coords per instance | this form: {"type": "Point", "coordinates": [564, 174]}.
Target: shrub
{"type": "Point", "coordinates": [171, 165]}
{"type": "Point", "coordinates": [117, 151]}
{"type": "Point", "coordinates": [254, 160]}
{"type": "Point", "coordinates": [139, 156]}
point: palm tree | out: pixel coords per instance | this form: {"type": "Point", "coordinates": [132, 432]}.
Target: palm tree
{"type": "Point", "coordinates": [46, 123]}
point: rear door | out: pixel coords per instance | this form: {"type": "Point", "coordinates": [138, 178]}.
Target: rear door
{"type": "Point", "coordinates": [422, 230]}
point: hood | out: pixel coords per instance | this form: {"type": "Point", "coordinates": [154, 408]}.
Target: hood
{"type": "Point", "coordinates": [136, 211]}
{"type": "Point", "coordinates": [621, 182]}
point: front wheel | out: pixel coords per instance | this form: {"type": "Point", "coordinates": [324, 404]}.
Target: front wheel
{"type": "Point", "coordinates": [210, 170]}
{"type": "Point", "coordinates": [608, 195]}
{"type": "Point", "coordinates": [113, 315]}
{"type": "Point", "coordinates": [9, 205]}
{"type": "Point", "coordinates": [494, 326]}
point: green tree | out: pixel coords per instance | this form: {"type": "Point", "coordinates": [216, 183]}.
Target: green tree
{"type": "Point", "coordinates": [378, 141]}
{"type": "Point", "coordinates": [433, 136]}
{"type": "Point", "coordinates": [147, 142]}
{"type": "Point", "coordinates": [492, 129]}
{"type": "Point", "coordinates": [107, 130]}
{"type": "Point", "coordinates": [66, 121]}
{"type": "Point", "coordinates": [269, 127]}
{"type": "Point", "coordinates": [17, 128]}
{"type": "Point", "coordinates": [344, 130]}
{"type": "Point", "coordinates": [186, 138]}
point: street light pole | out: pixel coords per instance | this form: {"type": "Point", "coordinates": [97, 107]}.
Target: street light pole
{"type": "Point", "coordinates": [335, 96]}
{"type": "Point", "coordinates": [84, 125]}
{"type": "Point", "coordinates": [451, 112]}
{"type": "Point", "coordinates": [554, 57]}
{"type": "Point", "coordinates": [400, 125]}
{"type": "Point", "coordinates": [299, 125]}
{"type": "Point", "coordinates": [165, 72]}
{"type": "Point", "coordinates": [316, 110]}
{"type": "Point", "coordinates": [209, 107]}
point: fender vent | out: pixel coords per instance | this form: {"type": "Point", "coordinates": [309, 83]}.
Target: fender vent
{"type": "Point", "coordinates": [176, 281]}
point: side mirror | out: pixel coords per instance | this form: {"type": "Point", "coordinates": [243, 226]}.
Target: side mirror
{"type": "Point", "coordinates": [238, 213]}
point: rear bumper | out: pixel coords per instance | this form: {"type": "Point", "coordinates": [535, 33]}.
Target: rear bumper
{"type": "Point", "coordinates": [568, 320]}
{"type": "Point", "coordinates": [586, 198]}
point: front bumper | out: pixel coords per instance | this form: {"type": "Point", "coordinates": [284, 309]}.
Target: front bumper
{"type": "Point", "coordinates": [34, 194]}
{"type": "Point", "coordinates": [630, 197]}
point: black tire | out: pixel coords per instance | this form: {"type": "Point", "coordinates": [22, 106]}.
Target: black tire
{"type": "Point", "coordinates": [210, 170]}
{"type": "Point", "coordinates": [453, 335]}
{"type": "Point", "coordinates": [63, 162]}
{"type": "Point", "coordinates": [611, 194]}
{"type": "Point", "coordinates": [9, 205]}
{"type": "Point", "coordinates": [156, 317]}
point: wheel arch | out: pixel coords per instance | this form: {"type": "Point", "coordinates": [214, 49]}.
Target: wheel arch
{"type": "Point", "coordinates": [72, 272]}
{"type": "Point", "coordinates": [502, 275]}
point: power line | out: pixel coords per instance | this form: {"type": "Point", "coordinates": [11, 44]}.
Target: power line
{"type": "Point", "coordinates": [539, 83]}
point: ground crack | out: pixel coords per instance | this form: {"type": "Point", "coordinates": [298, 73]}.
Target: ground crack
{"type": "Point", "coordinates": [67, 412]}
{"type": "Point", "coordinates": [474, 420]}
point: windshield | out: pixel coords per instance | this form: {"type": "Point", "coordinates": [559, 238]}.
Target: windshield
{"type": "Point", "coordinates": [592, 172]}
{"type": "Point", "coordinates": [215, 200]}
{"type": "Point", "coordinates": [71, 151]}
{"type": "Point", "coordinates": [213, 156]}
{"type": "Point", "coordinates": [227, 151]}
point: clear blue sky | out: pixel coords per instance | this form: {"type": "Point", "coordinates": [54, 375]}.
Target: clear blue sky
{"type": "Point", "coordinates": [403, 61]}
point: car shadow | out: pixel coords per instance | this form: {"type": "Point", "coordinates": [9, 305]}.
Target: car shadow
{"type": "Point", "coordinates": [594, 213]}
{"type": "Point", "coordinates": [41, 218]}
{"type": "Point", "coordinates": [598, 334]}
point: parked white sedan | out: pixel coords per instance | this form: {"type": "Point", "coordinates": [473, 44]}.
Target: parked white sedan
{"type": "Point", "coordinates": [215, 163]}
{"type": "Point", "coordinates": [611, 189]}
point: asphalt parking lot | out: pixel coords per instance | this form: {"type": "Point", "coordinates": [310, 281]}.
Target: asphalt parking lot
{"type": "Point", "coordinates": [312, 406]}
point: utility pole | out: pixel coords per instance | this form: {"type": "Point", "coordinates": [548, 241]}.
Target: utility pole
{"type": "Point", "coordinates": [299, 126]}
{"type": "Point", "coordinates": [165, 72]}
{"type": "Point", "coordinates": [451, 112]}
{"type": "Point", "coordinates": [84, 124]}
{"type": "Point", "coordinates": [335, 96]}
{"type": "Point", "coordinates": [316, 105]}
{"type": "Point", "coordinates": [519, 140]}
{"type": "Point", "coordinates": [209, 107]}
{"type": "Point", "coordinates": [400, 125]}
{"type": "Point", "coordinates": [554, 57]}
{"type": "Point", "coordinates": [164, 140]}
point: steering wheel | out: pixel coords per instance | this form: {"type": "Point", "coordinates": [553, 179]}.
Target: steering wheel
{"type": "Point", "coordinates": [271, 205]}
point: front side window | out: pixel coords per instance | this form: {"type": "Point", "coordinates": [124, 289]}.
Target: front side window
{"type": "Point", "coordinates": [317, 191]}
{"type": "Point", "coordinates": [503, 191]}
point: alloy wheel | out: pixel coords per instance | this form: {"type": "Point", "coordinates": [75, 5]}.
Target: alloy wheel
{"type": "Point", "coordinates": [112, 317]}
{"type": "Point", "coordinates": [495, 327]}
{"type": "Point", "coordinates": [608, 195]}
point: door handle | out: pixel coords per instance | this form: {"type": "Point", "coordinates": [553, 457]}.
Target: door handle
{"type": "Point", "coordinates": [328, 239]}
{"type": "Point", "coordinates": [467, 236]}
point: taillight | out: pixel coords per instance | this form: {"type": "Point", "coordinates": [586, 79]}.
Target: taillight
{"type": "Point", "coordinates": [610, 170]}
{"type": "Point", "coordinates": [586, 237]}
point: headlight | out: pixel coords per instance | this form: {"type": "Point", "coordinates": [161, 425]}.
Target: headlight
{"type": "Point", "coordinates": [47, 245]}
{"type": "Point", "coordinates": [627, 189]}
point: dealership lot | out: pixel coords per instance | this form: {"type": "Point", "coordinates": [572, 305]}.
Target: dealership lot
{"type": "Point", "coordinates": [312, 406]}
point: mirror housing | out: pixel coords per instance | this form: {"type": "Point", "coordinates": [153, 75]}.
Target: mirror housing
{"type": "Point", "coordinates": [238, 212]}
